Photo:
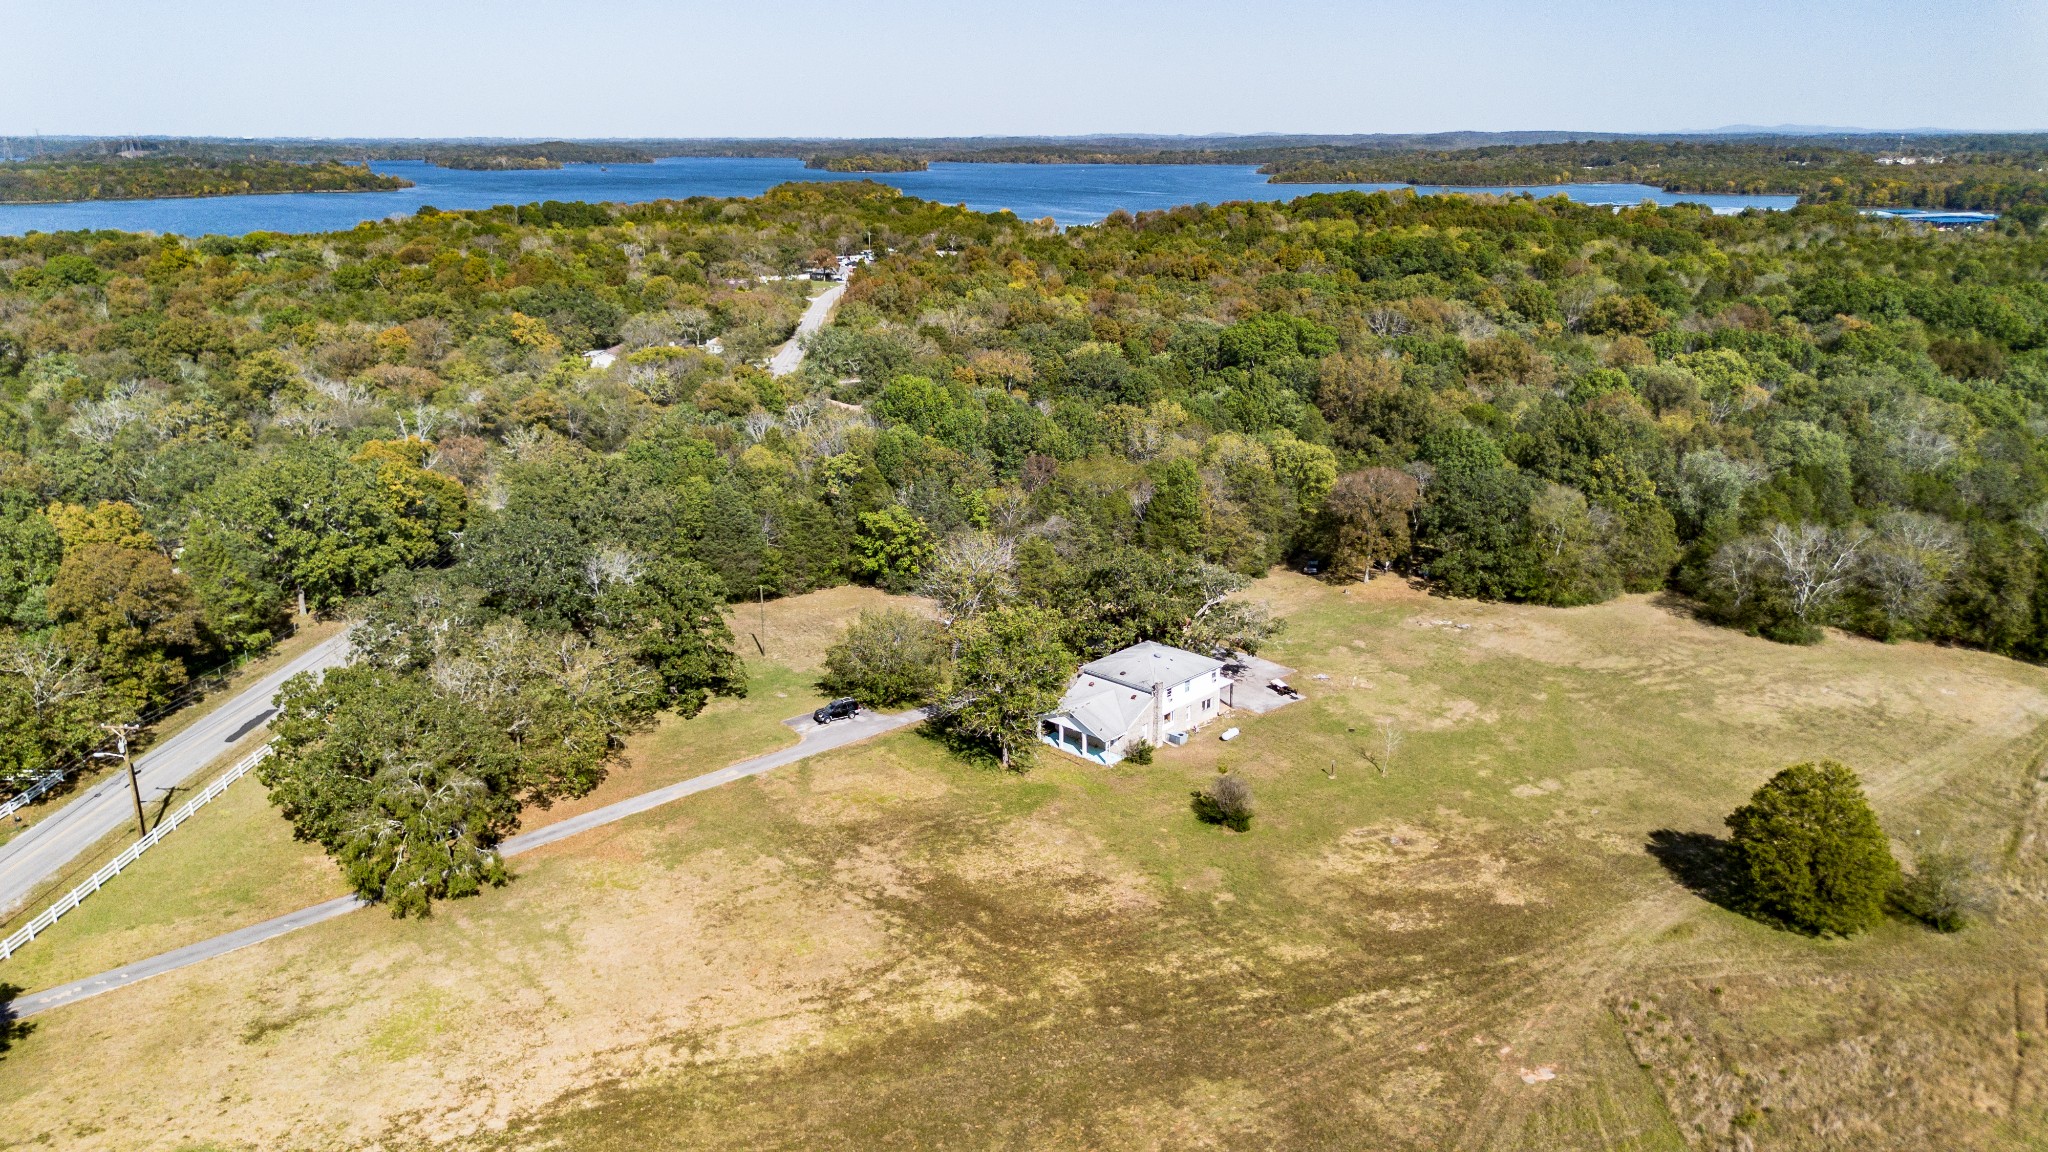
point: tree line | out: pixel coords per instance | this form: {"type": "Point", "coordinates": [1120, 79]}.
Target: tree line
{"type": "Point", "coordinates": [1924, 172]}
{"type": "Point", "coordinates": [866, 162]}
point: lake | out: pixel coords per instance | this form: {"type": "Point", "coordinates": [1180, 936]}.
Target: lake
{"type": "Point", "coordinates": [1069, 193]}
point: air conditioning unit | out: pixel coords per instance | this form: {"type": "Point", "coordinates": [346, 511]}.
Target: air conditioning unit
{"type": "Point", "coordinates": [1176, 738]}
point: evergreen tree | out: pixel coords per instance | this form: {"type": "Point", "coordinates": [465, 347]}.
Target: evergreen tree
{"type": "Point", "coordinates": [1173, 517]}
{"type": "Point", "coordinates": [1813, 851]}
{"type": "Point", "coordinates": [671, 618]}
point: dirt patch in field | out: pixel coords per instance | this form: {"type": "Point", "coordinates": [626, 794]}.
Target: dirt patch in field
{"type": "Point", "coordinates": [1288, 592]}
{"type": "Point", "coordinates": [1206, 1114]}
{"type": "Point", "coordinates": [1048, 856]}
{"type": "Point", "coordinates": [1410, 702]}
{"type": "Point", "coordinates": [1402, 859]}
{"type": "Point", "coordinates": [846, 792]}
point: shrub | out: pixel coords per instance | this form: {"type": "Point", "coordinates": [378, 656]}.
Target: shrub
{"type": "Point", "coordinates": [886, 659]}
{"type": "Point", "coordinates": [1941, 892]}
{"type": "Point", "coordinates": [1812, 851]}
{"type": "Point", "coordinates": [1139, 753]}
{"type": "Point", "coordinates": [1226, 801]}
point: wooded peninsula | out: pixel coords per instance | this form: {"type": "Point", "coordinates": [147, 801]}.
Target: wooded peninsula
{"type": "Point", "coordinates": [517, 157]}
{"type": "Point", "coordinates": [109, 178]}
{"type": "Point", "coordinates": [866, 162]}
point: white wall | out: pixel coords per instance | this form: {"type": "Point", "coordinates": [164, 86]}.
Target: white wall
{"type": "Point", "coordinates": [1190, 706]}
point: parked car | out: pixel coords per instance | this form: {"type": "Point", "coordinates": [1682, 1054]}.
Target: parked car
{"type": "Point", "coordinates": [1312, 568]}
{"type": "Point", "coordinates": [837, 710]}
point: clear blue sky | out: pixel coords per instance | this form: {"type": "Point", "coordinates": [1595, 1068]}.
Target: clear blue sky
{"type": "Point", "coordinates": [923, 67]}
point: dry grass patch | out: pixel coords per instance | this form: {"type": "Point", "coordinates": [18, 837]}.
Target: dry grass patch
{"type": "Point", "coordinates": [797, 630]}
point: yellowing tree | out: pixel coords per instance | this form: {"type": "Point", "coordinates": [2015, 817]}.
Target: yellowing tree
{"type": "Point", "coordinates": [109, 522]}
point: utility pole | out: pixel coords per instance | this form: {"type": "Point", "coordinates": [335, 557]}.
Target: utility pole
{"type": "Point", "coordinates": [761, 606]}
{"type": "Point", "coordinates": [121, 733]}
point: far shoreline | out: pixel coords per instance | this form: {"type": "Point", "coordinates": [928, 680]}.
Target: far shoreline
{"type": "Point", "coordinates": [403, 185]}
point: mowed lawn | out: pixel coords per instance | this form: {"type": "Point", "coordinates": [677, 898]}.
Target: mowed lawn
{"type": "Point", "coordinates": [1467, 946]}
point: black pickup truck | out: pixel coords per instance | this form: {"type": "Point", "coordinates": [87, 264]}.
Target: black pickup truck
{"type": "Point", "coordinates": [837, 710]}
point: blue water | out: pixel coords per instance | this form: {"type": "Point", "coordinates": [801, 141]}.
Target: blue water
{"type": "Point", "coordinates": [1936, 216]}
{"type": "Point", "coordinates": [1621, 194]}
{"type": "Point", "coordinates": [1069, 193]}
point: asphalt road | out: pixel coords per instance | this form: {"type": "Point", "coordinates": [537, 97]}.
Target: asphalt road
{"type": "Point", "coordinates": [813, 740]}
{"type": "Point", "coordinates": [790, 356]}
{"type": "Point", "coordinates": [32, 858]}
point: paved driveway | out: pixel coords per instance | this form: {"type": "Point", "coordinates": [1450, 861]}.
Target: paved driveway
{"type": "Point", "coordinates": [790, 356]}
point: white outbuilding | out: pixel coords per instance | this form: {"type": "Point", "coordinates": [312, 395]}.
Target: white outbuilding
{"type": "Point", "coordinates": [1149, 692]}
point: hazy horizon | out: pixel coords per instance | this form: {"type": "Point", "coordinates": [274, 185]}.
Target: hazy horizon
{"type": "Point", "coordinates": [633, 69]}
{"type": "Point", "coordinates": [1073, 137]}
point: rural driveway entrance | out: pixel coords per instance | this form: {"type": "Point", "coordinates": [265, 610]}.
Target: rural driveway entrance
{"type": "Point", "coordinates": [813, 740]}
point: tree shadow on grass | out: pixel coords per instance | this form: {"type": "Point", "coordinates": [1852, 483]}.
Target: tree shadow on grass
{"type": "Point", "coordinates": [1707, 865]}
{"type": "Point", "coordinates": [12, 1027]}
{"type": "Point", "coordinates": [968, 749]}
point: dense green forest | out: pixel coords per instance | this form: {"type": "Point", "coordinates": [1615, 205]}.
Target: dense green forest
{"type": "Point", "coordinates": [867, 162]}
{"type": "Point", "coordinates": [154, 177]}
{"type": "Point", "coordinates": [1072, 440]}
{"type": "Point", "coordinates": [1922, 173]}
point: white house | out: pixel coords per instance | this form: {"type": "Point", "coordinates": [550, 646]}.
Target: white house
{"type": "Point", "coordinates": [1146, 692]}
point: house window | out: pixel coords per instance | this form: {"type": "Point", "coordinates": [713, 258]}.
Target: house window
{"type": "Point", "coordinates": [1169, 715]}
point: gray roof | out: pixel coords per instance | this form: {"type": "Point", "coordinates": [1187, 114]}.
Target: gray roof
{"type": "Point", "coordinates": [1148, 665]}
{"type": "Point", "coordinates": [1105, 709]}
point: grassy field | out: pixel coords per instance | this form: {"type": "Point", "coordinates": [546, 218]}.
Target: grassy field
{"type": "Point", "coordinates": [1472, 946]}
{"type": "Point", "coordinates": [235, 863]}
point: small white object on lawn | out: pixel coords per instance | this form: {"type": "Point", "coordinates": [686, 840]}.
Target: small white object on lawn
{"type": "Point", "coordinates": [1229, 734]}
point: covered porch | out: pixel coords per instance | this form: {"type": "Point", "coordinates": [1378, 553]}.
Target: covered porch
{"type": "Point", "coordinates": [1070, 736]}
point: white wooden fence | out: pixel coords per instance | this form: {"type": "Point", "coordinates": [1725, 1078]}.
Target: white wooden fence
{"type": "Point", "coordinates": [73, 898]}
{"type": "Point", "coordinates": [34, 791]}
